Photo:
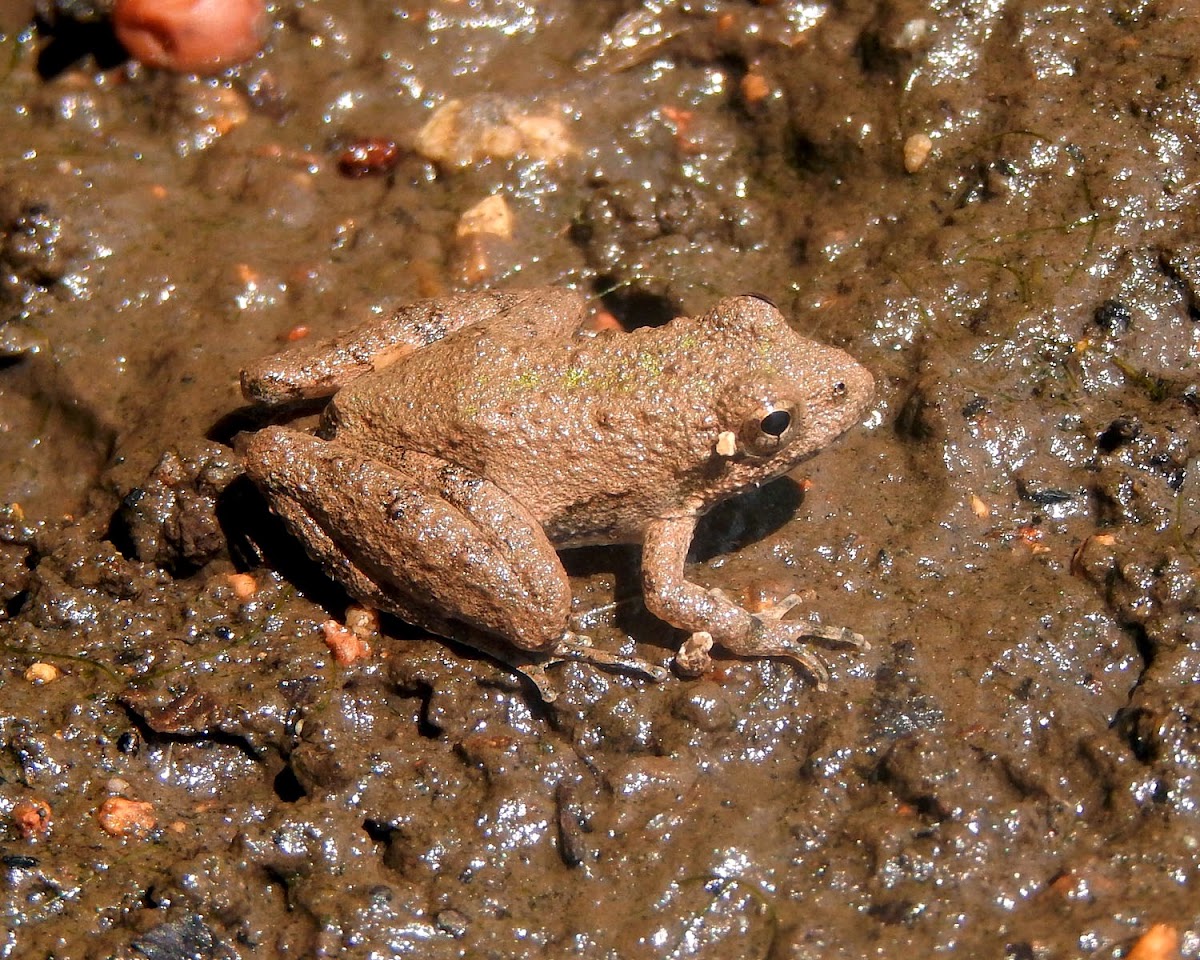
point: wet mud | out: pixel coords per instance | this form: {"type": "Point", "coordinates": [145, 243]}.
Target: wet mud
{"type": "Point", "coordinates": [990, 205]}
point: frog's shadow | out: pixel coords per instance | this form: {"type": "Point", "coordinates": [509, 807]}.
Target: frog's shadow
{"type": "Point", "coordinates": [249, 417]}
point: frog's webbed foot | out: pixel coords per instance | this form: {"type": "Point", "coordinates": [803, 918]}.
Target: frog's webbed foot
{"type": "Point", "coordinates": [712, 617]}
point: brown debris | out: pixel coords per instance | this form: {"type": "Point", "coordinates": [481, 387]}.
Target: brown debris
{"type": "Point", "coordinates": [32, 818]}
{"type": "Point", "coordinates": [345, 646]}
{"type": "Point", "coordinates": [1079, 557]}
{"type": "Point", "coordinates": [369, 156]}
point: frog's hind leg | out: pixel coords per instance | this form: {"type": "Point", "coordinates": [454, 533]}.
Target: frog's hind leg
{"type": "Point", "coordinates": [420, 529]}
{"type": "Point", "coordinates": [420, 538]}
{"type": "Point", "coordinates": [323, 368]}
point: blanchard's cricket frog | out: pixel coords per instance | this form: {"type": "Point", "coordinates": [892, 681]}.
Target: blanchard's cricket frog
{"type": "Point", "coordinates": [470, 437]}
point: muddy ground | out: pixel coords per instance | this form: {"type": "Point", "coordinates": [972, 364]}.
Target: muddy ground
{"type": "Point", "coordinates": [990, 204]}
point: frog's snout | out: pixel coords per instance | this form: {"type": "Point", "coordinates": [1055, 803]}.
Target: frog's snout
{"type": "Point", "coordinates": [858, 384]}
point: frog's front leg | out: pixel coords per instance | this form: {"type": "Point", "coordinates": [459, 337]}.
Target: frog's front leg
{"type": "Point", "coordinates": [430, 542]}
{"type": "Point", "coordinates": [672, 597]}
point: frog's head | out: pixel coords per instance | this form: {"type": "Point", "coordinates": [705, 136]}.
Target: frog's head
{"type": "Point", "coordinates": [792, 398]}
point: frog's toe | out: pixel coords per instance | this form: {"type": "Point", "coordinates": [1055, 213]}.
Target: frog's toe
{"type": "Point", "coordinates": [841, 636]}
{"type": "Point", "coordinates": [810, 663]}
{"type": "Point", "coordinates": [780, 608]}
{"type": "Point", "coordinates": [574, 646]}
{"type": "Point", "coordinates": [535, 673]}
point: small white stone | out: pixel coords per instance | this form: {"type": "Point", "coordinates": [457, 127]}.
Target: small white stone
{"type": "Point", "coordinates": [916, 151]}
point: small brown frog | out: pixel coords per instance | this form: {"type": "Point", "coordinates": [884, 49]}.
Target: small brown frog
{"type": "Point", "coordinates": [470, 437]}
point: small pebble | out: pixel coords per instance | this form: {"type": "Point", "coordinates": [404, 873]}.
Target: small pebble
{"type": "Point", "coordinates": [755, 88]}
{"type": "Point", "coordinates": [32, 818]}
{"type": "Point", "coordinates": [41, 673]}
{"type": "Point", "coordinates": [453, 923]}
{"type": "Point", "coordinates": [362, 621]}
{"type": "Point", "coordinates": [693, 657]}
{"type": "Point", "coordinates": [459, 133]}
{"type": "Point", "coordinates": [369, 156]}
{"type": "Point", "coordinates": [916, 151]}
{"type": "Point", "coordinates": [343, 644]}
{"type": "Point", "coordinates": [1160, 942]}
{"type": "Point", "coordinates": [491, 215]}
{"type": "Point", "coordinates": [243, 585]}
{"type": "Point", "coordinates": [120, 817]}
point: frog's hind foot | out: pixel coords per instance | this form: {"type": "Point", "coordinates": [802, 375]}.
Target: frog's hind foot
{"type": "Point", "coordinates": [574, 646]}
{"type": "Point", "coordinates": [809, 660]}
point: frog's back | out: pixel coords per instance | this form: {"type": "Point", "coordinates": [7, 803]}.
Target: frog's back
{"type": "Point", "coordinates": [592, 432]}
{"type": "Point", "coordinates": [597, 434]}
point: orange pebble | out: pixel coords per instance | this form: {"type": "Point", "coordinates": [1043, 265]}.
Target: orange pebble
{"type": "Point", "coordinates": [1160, 942]}
{"type": "Point", "coordinates": [119, 817]}
{"type": "Point", "coordinates": [32, 818]}
{"type": "Point", "coordinates": [343, 644]}
{"type": "Point", "coordinates": [243, 585]}
{"type": "Point", "coordinates": [602, 320]}
{"type": "Point", "coordinates": [755, 88]}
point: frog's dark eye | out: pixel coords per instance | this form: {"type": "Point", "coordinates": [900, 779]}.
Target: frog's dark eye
{"type": "Point", "coordinates": [769, 429]}
{"type": "Point", "coordinates": [775, 423]}
{"type": "Point", "coordinates": [839, 389]}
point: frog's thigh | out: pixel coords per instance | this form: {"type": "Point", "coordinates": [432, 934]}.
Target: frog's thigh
{"type": "Point", "coordinates": [418, 529]}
